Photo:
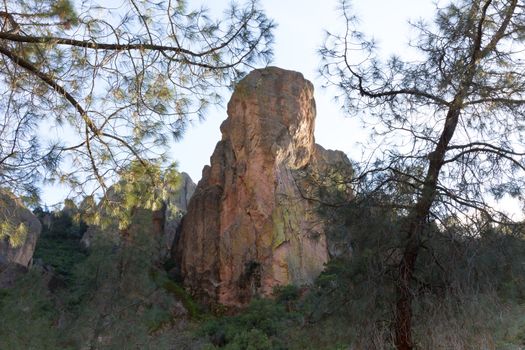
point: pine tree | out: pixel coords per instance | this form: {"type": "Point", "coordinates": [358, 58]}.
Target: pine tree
{"type": "Point", "coordinates": [114, 84]}
{"type": "Point", "coordinates": [450, 121]}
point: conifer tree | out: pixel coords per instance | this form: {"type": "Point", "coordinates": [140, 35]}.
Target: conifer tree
{"type": "Point", "coordinates": [449, 123]}
{"type": "Point", "coordinates": [86, 88]}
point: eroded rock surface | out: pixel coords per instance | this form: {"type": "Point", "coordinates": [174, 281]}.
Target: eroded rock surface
{"type": "Point", "coordinates": [176, 207]}
{"type": "Point", "coordinates": [15, 213]}
{"type": "Point", "coordinates": [250, 224]}
{"type": "Point", "coordinates": [169, 218]}
{"type": "Point", "coordinates": [16, 258]}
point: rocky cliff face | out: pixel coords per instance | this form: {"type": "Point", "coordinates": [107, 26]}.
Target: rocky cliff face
{"type": "Point", "coordinates": [176, 207]}
{"type": "Point", "coordinates": [15, 258]}
{"type": "Point", "coordinates": [251, 225]}
{"type": "Point", "coordinates": [170, 217]}
{"type": "Point", "coordinates": [14, 213]}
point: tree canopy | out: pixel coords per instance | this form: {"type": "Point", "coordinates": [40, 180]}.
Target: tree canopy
{"type": "Point", "coordinates": [448, 121]}
{"type": "Point", "coordinates": [87, 88]}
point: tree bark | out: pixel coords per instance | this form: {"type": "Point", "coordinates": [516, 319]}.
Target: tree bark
{"type": "Point", "coordinates": [415, 226]}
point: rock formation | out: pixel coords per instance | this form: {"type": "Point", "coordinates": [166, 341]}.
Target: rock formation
{"type": "Point", "coordinates": [176, 207]}
{"type": "Point", "coordinates": [15, 213]}
{"type": "Point", "coordinates": [171, 215]}
{"type": "Point", "coordinates": [253, 222]}
{"type": "Point", "coordinates": [14, 260]}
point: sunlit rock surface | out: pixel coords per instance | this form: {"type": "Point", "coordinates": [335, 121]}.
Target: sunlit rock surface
{"type": "Point", "coordinates": [12, 209]}
{"type": "Point", "coordinates": [250, 224]}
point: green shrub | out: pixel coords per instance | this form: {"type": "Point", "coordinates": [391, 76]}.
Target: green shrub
{"type": "Point", "coordinates": [61, 253]}
{"type": "Point", "coordinates": [28, 316]}
{"type": "Point", "coordinates": [286, 294]}
{"type": "Point", "coordinates": [263, 319]}
{"type": "Point", "coordinates": [253, 339]}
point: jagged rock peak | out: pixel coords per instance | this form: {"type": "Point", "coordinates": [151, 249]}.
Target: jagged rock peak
{"type": "Point", "coordinates": [248, 226]}
{"type": "Point", "coordinates": [272, 112]}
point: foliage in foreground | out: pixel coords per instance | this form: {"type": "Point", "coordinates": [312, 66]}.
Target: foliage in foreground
{"type": "Point", "coordinates": [119, 81]}
{"type": "Point", "coordinates": [469, 295]}
{"type": "Point", "coordinates": [28, 315]}
{"type": "Point", "coordinates": [468, 288]}
{"type": "Point", "coordinates": [259, 327]}
{"type": "Point", "coordinates": [447, 119]}
{"type": "Point", "coordinates": [115, 297]}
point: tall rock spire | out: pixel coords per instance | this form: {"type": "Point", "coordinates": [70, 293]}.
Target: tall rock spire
{"type": "Point", "coordinates": [249, 226]}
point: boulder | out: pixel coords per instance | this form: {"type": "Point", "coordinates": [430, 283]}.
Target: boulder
{"type": "Point", "coordinates": [14, 214]}
{"type": "Point", "coordinates": [253, 222]}
{"type": "Point", "coordinates": [10, 273]}
{"type": "Point", "coordinates": [179, 200]}
{"type": "Point", "coordinates": [16, 248]}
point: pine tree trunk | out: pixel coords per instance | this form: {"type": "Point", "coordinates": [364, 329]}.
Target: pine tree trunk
{"type": "Point", "coordinates": [415, 226]}
{"type": "Point", "coordinates": [403, 320]}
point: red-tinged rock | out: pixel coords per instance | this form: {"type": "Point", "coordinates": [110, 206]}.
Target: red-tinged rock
{"type": "Point", "coordinates": [250, 225]}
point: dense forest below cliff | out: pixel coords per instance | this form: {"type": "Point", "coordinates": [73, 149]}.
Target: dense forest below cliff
{"type": "Point", "coordinates": [470, 293]}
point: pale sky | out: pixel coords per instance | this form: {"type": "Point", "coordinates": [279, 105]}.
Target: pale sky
{"type": "Point", "coordinates": [300, 32]}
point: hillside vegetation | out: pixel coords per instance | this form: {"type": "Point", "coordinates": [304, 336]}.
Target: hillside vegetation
{"type": "Point", "coordinates": [471, 293]}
